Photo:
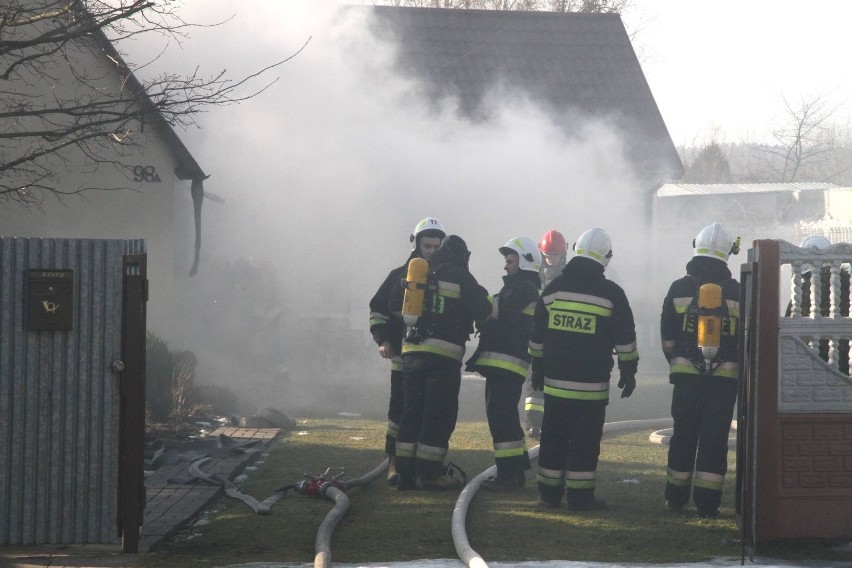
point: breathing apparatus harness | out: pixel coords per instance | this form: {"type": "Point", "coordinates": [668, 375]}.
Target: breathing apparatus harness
{"type": "Point", "coordinates": [417, 281]}
{"type": "Point", "coordinates": [705, 316]}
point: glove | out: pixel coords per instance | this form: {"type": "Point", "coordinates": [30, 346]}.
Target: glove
{"type": "Point", "coordinates": [537, 381]}
{"type": "Point", "coordinates": [627, 384]}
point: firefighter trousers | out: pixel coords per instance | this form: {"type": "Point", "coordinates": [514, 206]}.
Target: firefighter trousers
{"type": "Point", "coordinates": [533, 406]}
{"type": "Point", "coordinates": [430, 409]}
{"type": "Point", "coordinates": [394, 410]}
{"type": "Point", "coordinates": [702, 409]}
{"type": "Point", "coordinates": [570, 445]}
{"type": "Point", "coordinates": [502, 393]}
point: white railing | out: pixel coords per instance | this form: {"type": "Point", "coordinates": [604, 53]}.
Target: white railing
{"type": "Point", "coordinates": [811, 381]}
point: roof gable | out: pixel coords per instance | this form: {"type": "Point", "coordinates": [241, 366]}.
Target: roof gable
{"type": "Point", "coordinates": [573, 64]}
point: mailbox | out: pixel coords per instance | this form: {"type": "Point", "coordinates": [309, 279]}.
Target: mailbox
{"type": "Point", "coordinates": [50, 300]}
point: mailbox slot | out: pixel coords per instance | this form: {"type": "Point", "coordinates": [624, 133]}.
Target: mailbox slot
{"type": "Point", "coordinates": [50, 300]}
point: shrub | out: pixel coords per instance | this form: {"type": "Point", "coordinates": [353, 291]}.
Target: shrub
{"type": "Point", "coordinates": [160, 363]}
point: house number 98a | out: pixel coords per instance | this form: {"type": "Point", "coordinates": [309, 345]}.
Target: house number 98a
{"type": "Point", "coordinates": [146, 174]}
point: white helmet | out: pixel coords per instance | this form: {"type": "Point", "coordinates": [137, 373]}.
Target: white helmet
{"type": "Point", "coordinates": [428, 224]}
{"type": "Point", "coordinates": [716, 242]}
{"type": "Point", "coordinates": [814, 241]}
{"type": "Point", "coordinates": [594, 244]}
{"type": "Point", "coordinates": [529, 257]}
{"type": "Point", "coordinates": [817, 241]}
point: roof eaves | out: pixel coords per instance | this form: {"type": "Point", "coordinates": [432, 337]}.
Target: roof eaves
{"type": "Point", "coordinates": [187, 168]}
{"type": "Point", "coordinates": [693, 189]}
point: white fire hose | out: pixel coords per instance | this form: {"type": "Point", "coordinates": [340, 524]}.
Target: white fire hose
{"type": "Point", "coordinates": [322, 547]}
{"type": "Point", "coordinates": [466, 553]}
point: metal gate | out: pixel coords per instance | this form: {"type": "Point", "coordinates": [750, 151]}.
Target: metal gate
{"type": "Point", "coordinates": [72, 384]}
{"type": "Point", "coordinates": [794, 454]}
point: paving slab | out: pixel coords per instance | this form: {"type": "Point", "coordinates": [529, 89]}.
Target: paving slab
{"type": "Point", "coordinates": [174, 498]}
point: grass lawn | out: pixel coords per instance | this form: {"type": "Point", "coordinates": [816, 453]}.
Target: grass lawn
{"type": "Point", "coordinates": [385, 525]}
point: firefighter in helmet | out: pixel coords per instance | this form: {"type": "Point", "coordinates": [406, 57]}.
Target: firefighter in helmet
{"type": "Point", "coordinates": [388, 329]}
{"type": "Point", "coordinates": [580, 319]}
{"type": "Point", "coordinates": [554, 256]}
{"type": "Point", "coordinates": [432, 353]}
{"type": "Point", "coordinates": [502, 358]}
{"type": "Point", "coordinates": [699, 328]}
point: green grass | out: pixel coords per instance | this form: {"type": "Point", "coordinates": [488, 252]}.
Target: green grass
{"type": "Point", "coordinates": [385, 525]}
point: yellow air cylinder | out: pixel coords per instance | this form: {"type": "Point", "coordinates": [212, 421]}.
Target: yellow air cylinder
{"type": "Point", "coordinates": [709, 325]}
{"type": "Point", "coordinates": [415, 290]}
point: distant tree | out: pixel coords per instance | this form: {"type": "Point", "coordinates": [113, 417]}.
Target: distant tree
{"type": "Point", "coordinates": [597, 6]}
{"type": "Point", "coordinates": [709, 165]}
{"type": "Point", "coordinates": [41, 42]}
{"type": "Point", "coordinates": [808, 145]}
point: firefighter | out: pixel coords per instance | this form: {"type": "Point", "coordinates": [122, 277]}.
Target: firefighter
{"type": "Point", "coordinates": [704, 377]}
{"type": "Point", "coordinates": [388, 329]}
{"type": "Point", "coordinates": [502, 358]}
{"type": "Point", "coordinates": [554, 255]}
{"type": "Point", "coordinates": [432, 352]}
{"type": "Point", "coordinates": [579, 320]}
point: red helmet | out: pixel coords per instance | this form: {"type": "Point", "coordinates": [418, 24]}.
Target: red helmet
{"type": "Point", "coordinates": [553, 243]}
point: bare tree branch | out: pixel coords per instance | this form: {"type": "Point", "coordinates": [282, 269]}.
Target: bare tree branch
{"type": "Point", "coordinates": [805, 147]}
{"type": "Point", "coordinates": [52, 102]}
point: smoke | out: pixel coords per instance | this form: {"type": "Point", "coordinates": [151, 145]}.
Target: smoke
{"type": "Point", "coordinates": [325, 173]}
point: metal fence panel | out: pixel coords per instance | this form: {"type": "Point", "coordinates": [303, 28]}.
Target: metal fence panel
{"type": "Point", "coordinates": [59, 405]}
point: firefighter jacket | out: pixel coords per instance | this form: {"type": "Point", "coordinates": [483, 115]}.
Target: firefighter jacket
{"type": "Point", "coordinates": [453, 300]}
{"type": "Point", "coordinates": [384, 325]}
{"type": "Point", "coordinates": [579, 319]}
{"type": "Point", "coordinates": [504, 339]}
{"type": "Point", "coordinates": [679, 322]}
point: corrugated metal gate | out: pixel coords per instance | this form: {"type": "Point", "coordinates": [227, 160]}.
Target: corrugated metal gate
{"type": "Point", "coordinates": [72, 345]}
{"type": "Point", "coordinates": [794, 458]}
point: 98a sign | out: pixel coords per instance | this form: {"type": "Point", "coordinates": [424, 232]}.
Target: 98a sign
{"type": "Point", "coordinates": [146, 174]}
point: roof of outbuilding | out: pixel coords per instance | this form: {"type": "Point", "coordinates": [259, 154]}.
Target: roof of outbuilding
{"type": "Point", "coordinates": [574, 64]}
{"type": "Point", "coordinates": [685, 189]}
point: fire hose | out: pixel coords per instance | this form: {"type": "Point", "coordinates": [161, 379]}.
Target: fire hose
{"type": "Point", "coordinates": [231, 490]}
{"type": "Point", "coordinates": [325, 485]}
{"type": "Point", "coordinates": [334, 490]}
{"type": "Point", "coordinates": [464, 550]}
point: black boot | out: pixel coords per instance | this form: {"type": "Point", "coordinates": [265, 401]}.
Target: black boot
{"type": "Point", "coordinates": [406, 483]}
{"type": "Point", "coordinates": [506, 482]}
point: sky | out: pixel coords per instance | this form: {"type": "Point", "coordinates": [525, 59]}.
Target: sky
{"type": "Point", "coordinates": [726, 66]}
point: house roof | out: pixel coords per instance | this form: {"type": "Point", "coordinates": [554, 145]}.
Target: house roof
{"type": "Point", "coordinates": [574, 64]}
{"type": "Point", "coordinates": [686, 189]}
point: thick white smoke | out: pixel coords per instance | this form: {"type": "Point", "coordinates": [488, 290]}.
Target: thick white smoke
{"type": "Point", "coordinates": [325, 174]}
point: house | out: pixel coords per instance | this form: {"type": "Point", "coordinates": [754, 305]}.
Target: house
{"type": "Point", "coordinates": [576, 65]}
{"type": "Point", "coordinates": [151, 189]}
